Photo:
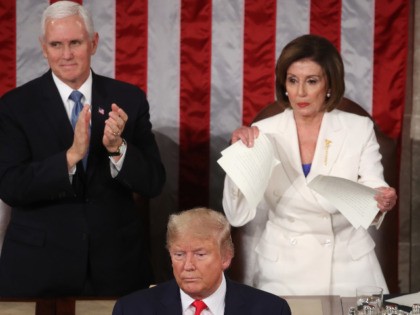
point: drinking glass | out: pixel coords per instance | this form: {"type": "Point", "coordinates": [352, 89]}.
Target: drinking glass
{"type": "Point", "coordinates": [370, 310]}
{"type": "Point", "coordinates": [391, 309]}
{"type": "Point", "coordinates": [371, 296]}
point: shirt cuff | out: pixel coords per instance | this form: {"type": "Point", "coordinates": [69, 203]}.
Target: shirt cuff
{"type": "Point", "coordinates": [116, 166]}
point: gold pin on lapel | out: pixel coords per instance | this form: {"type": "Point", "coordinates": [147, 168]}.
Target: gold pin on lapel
{"type": "Point", "coordinates": [326, 147]}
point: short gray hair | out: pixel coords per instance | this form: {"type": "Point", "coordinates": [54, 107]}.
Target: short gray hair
{"type": "Point", "coordinates": [203, 222]}
{"type": "Point", "coordinates": [63, 9]}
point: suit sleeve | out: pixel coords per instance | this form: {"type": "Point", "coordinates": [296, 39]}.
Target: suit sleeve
{"type": "Point", "coordinates": [370, 167]}
{"type": "Point", "coordinates": [235, 206]}
{"type": "Point", "coordinates": [28, 172]}
{"type": "Point", "coordinates": [142, 170]}
{"type": "Point", "coordinates": [117, 309]}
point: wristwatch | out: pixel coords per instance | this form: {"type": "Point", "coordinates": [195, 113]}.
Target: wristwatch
{"type": "Point", "coordinates": [121, 149]}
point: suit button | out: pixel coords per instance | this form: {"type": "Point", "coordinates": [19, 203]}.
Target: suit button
{"type": "Point", "coordinates": [235, 193]}
{"type": "Point", "coordinates": [327, 242]}
{"type": "Point", "coordinates": [293, 241]}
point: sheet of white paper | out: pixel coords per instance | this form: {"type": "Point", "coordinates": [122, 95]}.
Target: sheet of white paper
{"type": "Point", "coordinates": [355, 201]}
{"type": "Point", "coordinates": [406, 300]}
{"type": "Point", "coordinates": [250, 168]}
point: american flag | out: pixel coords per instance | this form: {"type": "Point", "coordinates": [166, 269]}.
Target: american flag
{"type": "Point", "coordinates": [208, 67]}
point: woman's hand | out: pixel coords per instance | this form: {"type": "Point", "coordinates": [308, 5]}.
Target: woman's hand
{"type": "Point", "coordinates": [386, 198]}
{"type": "Point", "coordinates": [246, 134]}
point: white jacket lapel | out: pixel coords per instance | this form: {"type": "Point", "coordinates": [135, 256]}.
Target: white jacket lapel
{"type": "Point", "coordinates": [330, 142]}
{"type": "Point", "coordinates": [287, 149]}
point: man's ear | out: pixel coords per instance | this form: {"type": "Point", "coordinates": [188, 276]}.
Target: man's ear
{"type": "Point", "coordinates": [94, 42]}
{"type": "Point", "coordinates": [42, 43]}
{"type": "Point", "coordinates": [226, 260]}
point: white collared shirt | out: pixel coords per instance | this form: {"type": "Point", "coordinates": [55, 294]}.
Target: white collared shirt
{"type": "Point", "coordinates": [215, 302]}
{"type": "Point", "coordinates": [65, 90]}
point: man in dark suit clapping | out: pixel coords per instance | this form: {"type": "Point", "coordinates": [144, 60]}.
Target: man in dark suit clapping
{"type": "Point", "coordinates": [201, 248]}
{"type": "Point", "coordinates": [74, 147]}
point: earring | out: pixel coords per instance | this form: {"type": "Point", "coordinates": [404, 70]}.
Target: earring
{"type": "Point", "coordinates": [328, 94]}
{"type": "Point", "coordinates": [285, 93]}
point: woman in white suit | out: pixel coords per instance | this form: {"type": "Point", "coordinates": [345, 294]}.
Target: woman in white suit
{"type": "Point", "coordinates": [301, 244]}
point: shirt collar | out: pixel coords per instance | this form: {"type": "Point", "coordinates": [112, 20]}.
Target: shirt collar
{"type": "Point", "coordinates": [65, 90]}
{"type": "Point", "coordinates": [214, 302]}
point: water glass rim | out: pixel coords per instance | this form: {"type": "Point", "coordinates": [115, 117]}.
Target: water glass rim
{"type": "Point", "coordinates": [370, 288]}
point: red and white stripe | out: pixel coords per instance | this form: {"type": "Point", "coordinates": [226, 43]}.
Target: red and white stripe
{"type": "Point", "coordinates": [208, 67]}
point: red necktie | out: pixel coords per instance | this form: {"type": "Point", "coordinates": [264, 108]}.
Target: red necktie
{"type": "Point", "coordinates": [199, 306]}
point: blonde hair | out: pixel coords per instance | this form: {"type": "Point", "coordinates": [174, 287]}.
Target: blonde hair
{"type": "Point", "coordinates": [205, 224]}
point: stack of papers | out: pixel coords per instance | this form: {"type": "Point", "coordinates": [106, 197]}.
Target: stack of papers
{"type": "Point", "coordinates": [355, 201]}
{"type": "Point", "coordinates": [250, 168]}
{"type": "Point", "coordinates": [406, 300]}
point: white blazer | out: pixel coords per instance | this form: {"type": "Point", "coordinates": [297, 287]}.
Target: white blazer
{"type": "Point", "coordinates": [296, 242]}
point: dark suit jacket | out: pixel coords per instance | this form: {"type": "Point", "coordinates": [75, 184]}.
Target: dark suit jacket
{"type": "Point", "coordinates": [165, 299]}
{"type": "Point", "coordinates": [63, 233]}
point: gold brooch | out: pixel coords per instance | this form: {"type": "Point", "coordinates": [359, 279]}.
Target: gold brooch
{"type": "Point", "coordinates": [326, 147]}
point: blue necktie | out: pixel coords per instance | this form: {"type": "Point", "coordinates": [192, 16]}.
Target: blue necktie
{"type": "Point", "coordinates": [76, 97]}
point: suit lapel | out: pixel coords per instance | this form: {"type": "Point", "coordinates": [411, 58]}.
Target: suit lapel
{"type": "Point", "coordinates": [53, 110]}
{"type": "Point", "coordinates": [234, 301]}
{"type": "Point", "coordinates": [290, 143]}
{"type": "Point", "coordinates": [330, 141]}
{"type": "Point", "coordinates": [329, 144]}
{"type": "Point", "coordinates": [287, 148]}
{"type": "Point", "coordinates": [100, 108]}
{"type": "Point", "coordinates": [170, 301]}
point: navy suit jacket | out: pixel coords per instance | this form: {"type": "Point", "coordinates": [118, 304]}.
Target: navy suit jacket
{"type": "Point", "coordinates": [165, 299]}
{"type": "Point", "coordinates": [62, 233]}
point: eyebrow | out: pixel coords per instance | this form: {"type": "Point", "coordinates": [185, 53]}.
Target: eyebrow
{"type": "Point", "coordinates": [310, 75]}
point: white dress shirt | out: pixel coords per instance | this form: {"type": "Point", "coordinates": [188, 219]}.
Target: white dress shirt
{"type": "Point", "coordinates": [215, 302]}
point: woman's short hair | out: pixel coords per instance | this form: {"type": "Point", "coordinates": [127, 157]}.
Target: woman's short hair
{"type": "Point", "coordinates": [320, 50]}
{"type": "Point", "coordinates": [204, 223]}
{"type": "Point", "coordinates": [63, 9]}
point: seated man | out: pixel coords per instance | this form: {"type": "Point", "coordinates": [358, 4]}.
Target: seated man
{"type": "Point", "coordinates": [201, 249]}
